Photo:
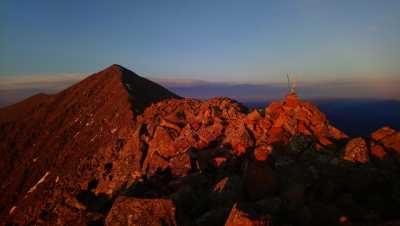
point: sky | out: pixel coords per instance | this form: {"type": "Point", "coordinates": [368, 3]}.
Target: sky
{"type": "Point", "coordinates": [219, 41]}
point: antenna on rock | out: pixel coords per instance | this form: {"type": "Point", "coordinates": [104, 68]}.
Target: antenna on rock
{"type": "Point", "coordinates": [291, 85]}
{"type": "Point", "coordinates": [288, 82]}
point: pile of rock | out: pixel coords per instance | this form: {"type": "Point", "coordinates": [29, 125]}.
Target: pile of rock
{"type": "Point", "coordinates": [383, 142]}
{"type": "Point", "coordinates": [262, 168]}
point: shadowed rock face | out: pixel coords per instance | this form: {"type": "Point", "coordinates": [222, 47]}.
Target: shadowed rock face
{"type": "Point", "coordinates": [117, 149]}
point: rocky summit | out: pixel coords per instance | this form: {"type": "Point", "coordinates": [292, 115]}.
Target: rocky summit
{"type": "Point", "coordinates": [118, 149]}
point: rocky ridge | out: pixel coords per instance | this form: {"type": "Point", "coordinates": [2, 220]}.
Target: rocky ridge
{"type": "Point", "coordinates": [117, 149]}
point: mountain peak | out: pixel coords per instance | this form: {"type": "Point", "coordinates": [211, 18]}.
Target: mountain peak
{"type": "Point", "coordinates": [114, 70]}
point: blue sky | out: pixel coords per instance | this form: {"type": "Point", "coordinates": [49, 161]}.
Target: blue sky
{"type": "Point", "coordinates": [208, 40]}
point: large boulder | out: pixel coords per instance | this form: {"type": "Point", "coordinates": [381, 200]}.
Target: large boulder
{"type": "Point", "coordinates": [144, 212]}
{"type": "Point", "coordinates": [356, 151]}
{"type": "Point", "coordinates": [238, 137]}
{"type": "Point", "coordinates": [388, 137]}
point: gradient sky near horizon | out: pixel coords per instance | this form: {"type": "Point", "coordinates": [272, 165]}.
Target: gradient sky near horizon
{"type": "Point", "coordinates": [209, 40]}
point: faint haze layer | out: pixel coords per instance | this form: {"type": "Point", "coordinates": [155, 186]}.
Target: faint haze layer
{"type": "Point", "coordinates": [227, 40]}
{"type": "Point", "coordinates": [14, 89]}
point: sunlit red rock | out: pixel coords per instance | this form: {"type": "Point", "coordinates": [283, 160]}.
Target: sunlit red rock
{"type": "Point", "coordinates": [291, 101]}
{"type": "Point", "coordinates": [146, 212]}
{"type": "Point", "coordinates": [262, 152]}
{"type": "Point", "coordinates": [356, 151]}
{"type": "Point", "coordinates": [238, 137]}
{"type": "Point", "coordinates": [382, 133]}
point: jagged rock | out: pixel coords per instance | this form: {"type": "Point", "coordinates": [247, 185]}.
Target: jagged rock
{"type": "Point", "coordinates": [290, 125]}
{"type": "Point", "coordinates": [254, 115]}
{"type": "Point", "coordinates": [324, 141]}
{"type": "Point", "coordinates": [163, 143]}
{"type": "Point", "coordinates": [302, 116]}
{"type": "Point", "coordinates": [154, 163]}
{"type": "Point", "coordinates": [382, 133]}
{"type": "Point", "coordinates": [180, 165]}
{"type": "Point", "coordinates": [239, 138]}
{"type": "Point", "coordinates": [210, 133]}
{"type": "Point", "coordinates": [262, 152]}
{"type": "Point", "coordinates": [280, 120]}
{"type": "Point", "coordinates": [336, 134]}
{"type": "Point", "coordinates": [146, 212]}
{"type": "Point", "coordinates": [291, 101]}
{"type": "Point", "coordinates": [168, 124]}
{"type": "Point", "coordinates": [256, 129]}
{"type": "Point", "coordinates": [219, 161]}
{"type": "Point", "coordinates": [302, 129]}
{"type": "Point", "coordinates": [273, 110]}
{"type": "Point", "coordinates": [356, 151]}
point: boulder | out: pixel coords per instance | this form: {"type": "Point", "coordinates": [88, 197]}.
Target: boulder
{"type": "Point", "coordinates": [168, 124]}
{"type": "Point", "coordinates": [291, 100]}
{"type": "Point", "coordinates": [262, 152]}
{"type": "Point", "coordinates": [239, 138]}
{"type": "Point", "coordinates": [163, 143]}
{"type": "Point", "coordinates": [336, 133]}
{"type": "Point", "coordinates": [356, 151]}
{"type": "Point", "coordinates": [253, 116]}
{"type": "Point", "coordinates": [280, 120]}
{"type": "Point", "coordinates": [154, 163]}
{"type": "Point", "coordinates": [144, 212]}
{"type": "Point", "coordinates": [273, 110]}
{"type": "Point", "coordinates": [180, 165]}
{"type": "Point", "coordinates": [382, 132]}
{"type": "Point", "coordinates": [219, 161]}
{"type": "Point", "coordinates": [302, 129]}
{"type": "Point", "coordinates": [208, 134]}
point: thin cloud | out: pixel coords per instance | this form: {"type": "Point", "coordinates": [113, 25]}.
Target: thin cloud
{"type": "Point", "coordinates": [17, 88]}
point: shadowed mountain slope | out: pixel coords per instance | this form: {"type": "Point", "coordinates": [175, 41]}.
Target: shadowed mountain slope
{"type": "Point", "coordinates": [60, 133]}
